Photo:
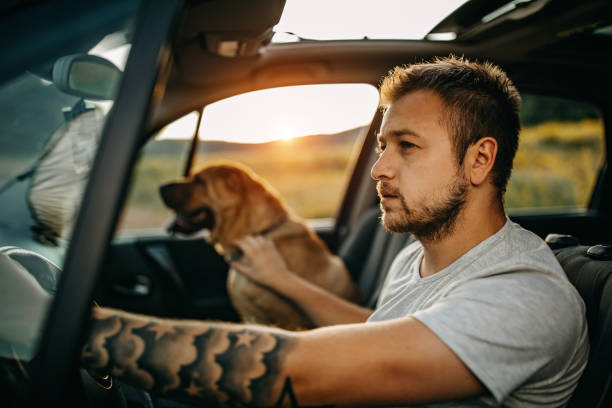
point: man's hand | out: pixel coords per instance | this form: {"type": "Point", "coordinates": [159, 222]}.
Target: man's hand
{"type": "Point", "coordinates": [266, 266]}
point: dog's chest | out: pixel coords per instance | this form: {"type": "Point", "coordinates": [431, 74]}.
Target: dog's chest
{"type": "Point", "coordinates": [256, 304]}
{"type": "Point", "coordinates": [240, 285]}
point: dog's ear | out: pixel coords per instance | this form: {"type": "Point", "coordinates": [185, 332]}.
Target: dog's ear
{"type": "Point", "coordinates": [234, 179]}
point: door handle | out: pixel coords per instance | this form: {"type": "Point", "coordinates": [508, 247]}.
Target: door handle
{"type": "Point", "coordinates": [137, 286]}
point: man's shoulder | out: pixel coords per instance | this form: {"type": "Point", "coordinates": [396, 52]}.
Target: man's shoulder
{"type": "Point", "coordinates": [523, 239]}
{"type": "Point", "coordinates": [517, 249]}
{"type": "Point", "coordinates": [522, 272]}
{"type": "Point", "coordinates": [517, 264]}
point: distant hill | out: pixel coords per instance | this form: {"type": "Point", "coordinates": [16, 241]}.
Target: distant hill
{"type": "Point", "coordinates": [178, 147]}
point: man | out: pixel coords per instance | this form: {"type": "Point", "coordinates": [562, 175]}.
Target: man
{"type": "Point", "coordinates": [477, 311]}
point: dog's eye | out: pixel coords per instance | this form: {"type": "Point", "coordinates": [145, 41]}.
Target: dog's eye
{"type": "Point", "coordinates": [199, 181]}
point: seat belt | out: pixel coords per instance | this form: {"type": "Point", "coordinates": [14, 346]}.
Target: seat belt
{"type": "Point", "coordinates": [371, 268]}
{"type": "Point", "coordinates": [396, 244]}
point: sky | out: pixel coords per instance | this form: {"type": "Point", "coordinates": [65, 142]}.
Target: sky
{"type": "Point", "coordinates": [282, 114]}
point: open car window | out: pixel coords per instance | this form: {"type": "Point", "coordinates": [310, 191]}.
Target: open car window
{"type": "Point", "coordinates": [303, 140]}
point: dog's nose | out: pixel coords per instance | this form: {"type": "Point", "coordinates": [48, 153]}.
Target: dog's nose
{"type": "Point", "coordinates": [171, 194]}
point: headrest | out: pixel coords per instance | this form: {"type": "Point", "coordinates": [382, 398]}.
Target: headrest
{"type": "Point", "coordinates": [600, 252]}
{"type": "Point", "coordinates": [556, 241]}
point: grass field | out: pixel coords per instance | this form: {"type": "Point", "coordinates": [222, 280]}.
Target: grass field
{"type": "Point", "coordinates": [555, 167]}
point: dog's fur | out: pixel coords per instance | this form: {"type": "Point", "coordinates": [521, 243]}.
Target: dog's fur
{"type": "Point", "coordinates": [231, 201]}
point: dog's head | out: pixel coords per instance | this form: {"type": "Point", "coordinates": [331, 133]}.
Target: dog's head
{"type": "Point", "coordinates": [226, 199]}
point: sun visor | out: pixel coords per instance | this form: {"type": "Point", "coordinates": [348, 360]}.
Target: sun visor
{"type": "Point", "coordinates": [239, 44]}
{"type": "Point", "coordinates": [232, 28]}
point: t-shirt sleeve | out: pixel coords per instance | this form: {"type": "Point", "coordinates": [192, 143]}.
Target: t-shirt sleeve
{"type": "Point", "coordinates": [508, 328]}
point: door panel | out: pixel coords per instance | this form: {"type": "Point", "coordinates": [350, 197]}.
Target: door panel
{"type": "Point", "coordinates": [164, 276]}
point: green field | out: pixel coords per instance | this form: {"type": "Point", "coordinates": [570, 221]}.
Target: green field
{"type": "Point", "coordinates": [555, 167]}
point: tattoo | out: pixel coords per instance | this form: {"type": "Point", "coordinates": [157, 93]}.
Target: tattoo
{"type": "Point", "coordinates": [193, 361]}
{"type": "Point", "coordinates": [287, 393]}
{"type": "Point", "coordinates": [287, 397]}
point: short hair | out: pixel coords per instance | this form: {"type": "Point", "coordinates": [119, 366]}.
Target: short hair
{"type": "Point", "coordinates": [480, 101]}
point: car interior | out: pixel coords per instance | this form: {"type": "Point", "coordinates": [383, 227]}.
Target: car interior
{"type": "Point", "coordinates": [98, 231]}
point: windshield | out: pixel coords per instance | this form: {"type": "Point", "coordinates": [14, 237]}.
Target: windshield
{"type": "Point", "coordinates": [49, 135]}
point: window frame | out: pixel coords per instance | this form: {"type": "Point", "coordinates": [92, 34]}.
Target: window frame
{"type": "Point", "coordinates": [67, 320]}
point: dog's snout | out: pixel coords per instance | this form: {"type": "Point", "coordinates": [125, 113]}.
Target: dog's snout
{"type": "Point", "coordinates": [173, 194]}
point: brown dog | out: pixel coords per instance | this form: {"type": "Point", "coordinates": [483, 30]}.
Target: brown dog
{"type": "Point", "coordinates": [231, 202]}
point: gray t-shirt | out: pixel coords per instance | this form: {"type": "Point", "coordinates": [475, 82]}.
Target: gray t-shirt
{"type": "Point", "coordinates": [506, 309]}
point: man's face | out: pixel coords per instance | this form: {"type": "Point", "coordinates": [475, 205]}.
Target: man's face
{"type": "Point", "coordinates": [421, 186]}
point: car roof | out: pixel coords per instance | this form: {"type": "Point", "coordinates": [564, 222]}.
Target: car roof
{"type": "Point", "coordinates": [549, 46]}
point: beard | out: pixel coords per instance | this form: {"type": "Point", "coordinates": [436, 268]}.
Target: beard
{"type": "Point", "coordinates": [429, 222]}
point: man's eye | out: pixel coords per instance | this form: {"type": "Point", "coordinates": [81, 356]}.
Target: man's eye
{"type": "Point", "coordinates": [406, 145]}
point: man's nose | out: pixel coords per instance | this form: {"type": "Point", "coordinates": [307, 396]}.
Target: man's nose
{"type": "Point", "coordinates": [382, 170]}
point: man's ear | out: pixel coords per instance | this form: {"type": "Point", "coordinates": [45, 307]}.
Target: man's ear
{"type": "Point", "coordinates": [480, 158]}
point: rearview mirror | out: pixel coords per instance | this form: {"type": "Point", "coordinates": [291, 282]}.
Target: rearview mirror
{"type": "Point", "coordinates": [87, 76]}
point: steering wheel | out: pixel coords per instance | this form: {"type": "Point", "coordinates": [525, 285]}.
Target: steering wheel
{"type": "Point", "coordinates": [27, 285]}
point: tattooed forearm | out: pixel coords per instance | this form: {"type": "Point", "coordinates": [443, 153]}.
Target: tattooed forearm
{"type": "Point", "coordinates": [235, 365]}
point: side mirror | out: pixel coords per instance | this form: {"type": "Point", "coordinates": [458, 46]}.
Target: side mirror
{"type": "Point", "coordinates": [87, 76]}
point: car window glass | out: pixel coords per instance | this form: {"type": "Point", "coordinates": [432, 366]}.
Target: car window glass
{"type": "Point", "coordinates": [49, 135]}
{"type": "Point", "coordinates": [159, 161]}
{"type": "Point", "coordinates": [561, 150]}
{"type": "Point", "coordinates": [23, 138]}
{"type": "Point", "coordinates": [303, 140]}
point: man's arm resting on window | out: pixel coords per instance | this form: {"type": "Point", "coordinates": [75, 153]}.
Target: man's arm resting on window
{"type": "Point", "coordinates": [394, 362]}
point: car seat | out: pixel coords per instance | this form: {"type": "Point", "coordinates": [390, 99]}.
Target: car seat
{"type": "Point", "coordinates": [589, 269]}
{"type": "Point", "coordinates": [368, 253]}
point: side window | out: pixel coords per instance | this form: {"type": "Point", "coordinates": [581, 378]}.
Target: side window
{"type": "Point", "coordinates": [303, 140]}
{"type": "Point", "coordinates": [561, 150]}
{"type": "Point", "coordinates": [162, 159]}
